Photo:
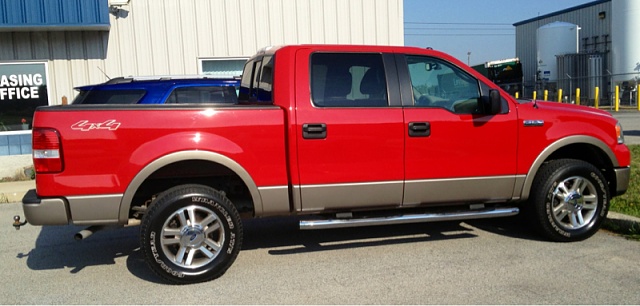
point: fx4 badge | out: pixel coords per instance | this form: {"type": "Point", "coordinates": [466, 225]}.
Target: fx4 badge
{"type": "Point", "coordinates": [85, 125]}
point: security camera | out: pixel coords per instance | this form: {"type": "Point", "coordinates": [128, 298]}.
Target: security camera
{"type": "Point", "coordinates": [118, 2]}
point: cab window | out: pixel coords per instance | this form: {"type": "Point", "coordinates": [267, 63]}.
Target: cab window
{"type": "Point", "coordinates": [436, 83]}
{"type": "Point", "coordinates": [348, 80]}
{"type": "Point", "coordinates": [256, 85]}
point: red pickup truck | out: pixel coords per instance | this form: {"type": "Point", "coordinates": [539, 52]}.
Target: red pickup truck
{"type": "Point", "coordinates": [337, 135]}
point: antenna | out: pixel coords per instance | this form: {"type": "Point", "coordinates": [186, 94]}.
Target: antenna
{"type": "Point", "coordinates": [108, 78]}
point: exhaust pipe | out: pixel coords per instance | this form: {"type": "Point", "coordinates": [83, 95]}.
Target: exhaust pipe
{"type": "Point", "coordinates": [85, 233]}
{"type": "Point", "coordinates": [133, 222]}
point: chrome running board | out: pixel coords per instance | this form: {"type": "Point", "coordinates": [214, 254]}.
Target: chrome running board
{"type": "Point", "coordinates": [411, 218]}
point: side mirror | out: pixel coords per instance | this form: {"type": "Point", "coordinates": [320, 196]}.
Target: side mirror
{"type": "Point", "coordinates": [491, 104]}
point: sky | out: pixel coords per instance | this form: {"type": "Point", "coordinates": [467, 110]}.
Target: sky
{"type": "Point", "coordinates": [482, 27]}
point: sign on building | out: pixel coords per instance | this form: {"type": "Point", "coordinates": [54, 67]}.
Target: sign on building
{"type": "Point", "coordinates": [23, 87]}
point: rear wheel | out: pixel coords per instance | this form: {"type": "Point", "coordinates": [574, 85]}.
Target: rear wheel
{"type": "Point", "coordinates": [190, 234]}
{"type": "Point", "coordinates": [570, 199]}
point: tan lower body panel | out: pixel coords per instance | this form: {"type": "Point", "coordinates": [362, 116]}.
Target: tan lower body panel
{"type": "Point", "coordinates": [310, 198]}
{"type": "Point", "coordinates": [347, 196]}
{"type": "Point", "coordinates": [95, 210]}
{"type": "Point", "coordinates": [275, 201]}
{"type": "Point", "coordinates": [477, 189]}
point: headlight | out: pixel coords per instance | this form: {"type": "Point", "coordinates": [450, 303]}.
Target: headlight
{"type": "Point", "coordinates": [619, 133]}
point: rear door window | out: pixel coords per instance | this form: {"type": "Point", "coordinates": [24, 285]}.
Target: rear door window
{"type": "Point", "coordinates": [127, 96]}
{"type": "Point", "coordinates": [348, 80]}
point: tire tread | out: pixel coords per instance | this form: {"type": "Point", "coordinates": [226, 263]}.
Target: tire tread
{"type": "Point", "coordinates": [536, 209]}
{"type": "Point", "coordinates": [164, 199]}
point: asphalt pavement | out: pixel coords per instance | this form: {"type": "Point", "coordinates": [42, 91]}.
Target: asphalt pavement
{"type": "Point", "coordinates": [493, 261]}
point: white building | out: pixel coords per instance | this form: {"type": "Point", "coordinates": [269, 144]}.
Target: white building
{"type": "Point", "coordinates": [50, 47]}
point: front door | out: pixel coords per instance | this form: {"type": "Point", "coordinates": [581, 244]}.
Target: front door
{"type": "Point", "coordinates": [454, 152]}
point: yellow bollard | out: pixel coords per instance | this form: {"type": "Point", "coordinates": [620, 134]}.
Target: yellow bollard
{"type": "Point", "coordinates": [535, 94]}
{"type": "Point", "coordinates": [559, 95]}
{"type": "Point", "coordinates": [546, 95]}
{"type": "Point", "coordinates": [577, 96]}
{"type": "Point", "coordinates": [517, 95]}
{"type": "Point", "coordinates": [597, 94]}
{"type": "Point", "coordinates": [617, 101]}
{"type": "Point", "coordinates": [638, 96]}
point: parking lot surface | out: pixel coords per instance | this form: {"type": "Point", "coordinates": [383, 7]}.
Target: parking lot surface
{"type": "Point", "coordinates": [496, 261]}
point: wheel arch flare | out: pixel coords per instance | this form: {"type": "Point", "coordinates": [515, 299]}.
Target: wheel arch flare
{"type": "Point", "coordinates": [183, 156]}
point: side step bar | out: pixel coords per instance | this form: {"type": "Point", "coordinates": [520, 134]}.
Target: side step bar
{"type": "Point", "coordinates": [412, 218]}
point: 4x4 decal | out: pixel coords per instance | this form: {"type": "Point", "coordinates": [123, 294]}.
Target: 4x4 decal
{"type": "Point", "coordinates": [85, 125]}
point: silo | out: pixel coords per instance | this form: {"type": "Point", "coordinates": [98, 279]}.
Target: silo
{"type": "Point", "coordinates": [556, 38]}
{"type": "Point", "coordinates": [626, 43]}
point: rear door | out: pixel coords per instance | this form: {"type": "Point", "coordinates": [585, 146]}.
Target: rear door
{"type": "Point", "coordinates": [350, 134]}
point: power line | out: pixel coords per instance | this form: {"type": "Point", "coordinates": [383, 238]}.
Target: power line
{"type": "Point", "coordinates": [458, 34]}
{"type": "Point", "coordinates": [460, 29]}
{"type": "Point", "coordinates": [454, 29]}
{"type": "Point", "coordinates": [459, 23]}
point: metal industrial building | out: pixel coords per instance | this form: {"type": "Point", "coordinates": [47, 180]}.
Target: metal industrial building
{"type": "Point", "coordinates": [47, 47]}
{"type": "Point", "coordinates": [606, 53]}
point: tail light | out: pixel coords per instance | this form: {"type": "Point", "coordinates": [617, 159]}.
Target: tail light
{"type": "Point", "coordinates": [47, 152]}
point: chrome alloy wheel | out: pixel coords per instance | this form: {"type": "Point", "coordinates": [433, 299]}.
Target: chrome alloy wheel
{"type": "Point", "coordinates": [574, 203]}
{"type": "Point", "coordinates": [192, 237]}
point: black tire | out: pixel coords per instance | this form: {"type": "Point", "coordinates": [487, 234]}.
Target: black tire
{"type": "Point", "coordinates": [182, 251]}
{"type": "Point", "coordinates": [569, 200]}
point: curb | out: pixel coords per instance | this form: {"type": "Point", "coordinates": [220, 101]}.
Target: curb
{"type": "Point", "coordinates": [622, 223]}
{"type": "Point", "coordinates": [12, 192]}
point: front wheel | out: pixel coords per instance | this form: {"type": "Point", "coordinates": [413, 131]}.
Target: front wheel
{"type": "Point", "coordinates": [190, 234]}
{"type": "Point", "coordinates": [570, 199]}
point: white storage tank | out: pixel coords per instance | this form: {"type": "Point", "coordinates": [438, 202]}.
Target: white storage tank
{"type": "Point", "coordinates": [626, 42]}
{"type": "Point", "coordinates": [556, 38]}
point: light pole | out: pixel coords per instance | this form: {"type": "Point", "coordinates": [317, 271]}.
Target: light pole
{"type": "Point", "coordinates": [469, 58]}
